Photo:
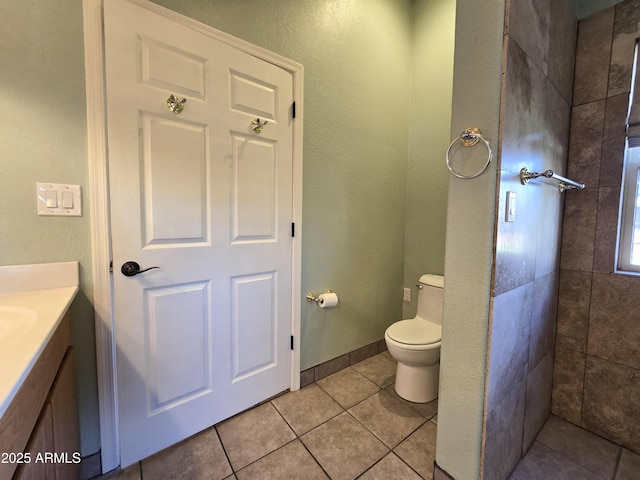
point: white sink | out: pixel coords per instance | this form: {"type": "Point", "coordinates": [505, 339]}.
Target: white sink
{"type": "Point", "coordinates": [15, 320]}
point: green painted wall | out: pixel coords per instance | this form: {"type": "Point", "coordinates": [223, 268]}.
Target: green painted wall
{"type": "Point", "coordinates": [43, 137]}
{"type": "Point", "coordinates": [430, 124]}
{"type": "Point", "coordinates": [469, 242]}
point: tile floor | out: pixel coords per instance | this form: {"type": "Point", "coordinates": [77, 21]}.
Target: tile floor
{"type": "Point", "coordinates": [563, 451]}
{"type": "Point", "coordinates": [353, 425]}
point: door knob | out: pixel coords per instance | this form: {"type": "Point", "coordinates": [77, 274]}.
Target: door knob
{"type": "Point", "coordinates": [131, 269]}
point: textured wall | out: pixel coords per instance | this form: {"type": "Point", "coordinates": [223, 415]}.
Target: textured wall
{"type": "Point", "coordinates": [43, 137]}
{"type": "Point", "coordinates": [430, 124]}
{"type": "Point", "coordinates": [597, 366]}
{"type": "Point", "coordinates": [469, 242]}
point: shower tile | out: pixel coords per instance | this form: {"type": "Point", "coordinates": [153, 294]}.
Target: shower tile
{"type": "Point", "coordinates": [543, 318]}
{"type": "Point", "coordinates": [604, 256]}
{"type": "Point", "coordinates": [538, 400]}
{"type": "Point", "coordinates": [390, 467]}
{"type": "Point", "coordinates": [378, 369]}
{"type": "Point", "coordinates": [580, 446]}
{"type": "Point", "coordinates": [624, 39]}
{"type": "Point", "coordinates": [503, 435]}
{"type": "Point", "coordinates": [290, 461]}
{"type": "Point", "coordinates": [629, 466]}
{"type": "Point", "coordinates": [529, 24]}
{"type": "Point", "coordinates": [343, 447]}
{"type": "Point", "coordinates": [387, 418]}
{"type": "Point", "coordinates": [613, 416]}
{"type": "Point", "coordinates": [516, 241]}
{"type": "Point", "coordinates": [253, 434]}
{"type": "Point", "coordinates": [579, 229]}
{"type": "Point", "coordinates": [593, 49]}
{"type": "Point", "coordinates": [524, 112]}
{"type": "Point", "coordinates": [543, 462]}
{"type": "Point", "coordinates": [562, 47]}
{"type": "Point", "coordinates": [419, 450]}
{"type": "Point", "coordinates": [613, 141]}
{"type": "Point", "coordinates": [585, 147]}
{"type": "Point", "coordinates": [614, 323]}
{"type": "Point", "coordinates": [509, 343]}
{"type": "Point", "coordinates": [556, 123]}
{"type": "Point", "coordinates": [307, 408]}
{"type": "Point", "coordinates": [348, 387]}
{"type": "Point", "coordinates": [568, 382]}
{"type": "Point", "coordinates": [198, 457]}
{"type": "Point", "coordinates": [574, 301]}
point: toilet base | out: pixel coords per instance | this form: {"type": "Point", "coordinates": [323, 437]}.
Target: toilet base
{"type": "Point", "coordinates": [417, 384]}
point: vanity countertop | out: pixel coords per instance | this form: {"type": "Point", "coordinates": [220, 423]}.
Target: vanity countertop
{"type": "Point", "coordinates": [29, 317]}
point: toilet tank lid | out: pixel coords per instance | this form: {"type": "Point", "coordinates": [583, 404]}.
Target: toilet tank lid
{"type": "Point", "coordinates": [433, 280]}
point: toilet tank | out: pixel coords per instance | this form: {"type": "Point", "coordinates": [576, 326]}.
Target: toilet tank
{"type": "Point", "coordinates": [430, 298]}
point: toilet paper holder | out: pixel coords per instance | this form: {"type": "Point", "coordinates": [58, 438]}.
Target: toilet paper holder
{"type": "Point", "coordinates": [312, 297]}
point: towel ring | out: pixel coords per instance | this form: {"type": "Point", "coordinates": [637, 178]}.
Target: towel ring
{"type": "Point", "coordinates": [469, 138]}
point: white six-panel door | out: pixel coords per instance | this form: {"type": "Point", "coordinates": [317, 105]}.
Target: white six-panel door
{"type": "Point", "coordinates": [207, 200]}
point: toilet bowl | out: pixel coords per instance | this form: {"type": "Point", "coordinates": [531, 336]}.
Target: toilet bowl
{"type": "Point", "coordinates": [415, 344]}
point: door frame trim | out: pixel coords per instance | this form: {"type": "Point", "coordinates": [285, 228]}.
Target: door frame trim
{"type": "Point", "coordinates": [99, 206]}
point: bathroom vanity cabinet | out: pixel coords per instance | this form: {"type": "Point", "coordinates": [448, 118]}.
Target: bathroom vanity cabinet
{"type": "Point", "coordinates": [39, 437]}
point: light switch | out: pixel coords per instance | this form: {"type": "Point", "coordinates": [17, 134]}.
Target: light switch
{"type": "Point", "coordinates": [51, 199]}
{"type": "Point", "coordinates": [67, 199]}
{"type": "Point", "coordinates": [59, 199]}
{"type": "Point", "coordinates": [510, 208]}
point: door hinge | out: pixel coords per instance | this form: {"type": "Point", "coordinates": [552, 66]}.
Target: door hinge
{"type": "Point", "coordinates": [292, 342]}
{"type": "Point", "coordinates": [293, 229]}
{"type": "Point", "coordinates": [293, 110]}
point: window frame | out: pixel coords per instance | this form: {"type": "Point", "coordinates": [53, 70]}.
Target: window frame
{"type": "Point", "coordinates": [629, 212]}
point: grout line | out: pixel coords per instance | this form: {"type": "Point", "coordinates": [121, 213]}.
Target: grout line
{"type": "Point", "coordinates": [224, 449]}
{"type": "Point", "coordinates": [617, 467]}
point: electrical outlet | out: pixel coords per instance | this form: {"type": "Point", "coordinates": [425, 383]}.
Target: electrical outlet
{"type": "Point", "coordinates": [407, 295]}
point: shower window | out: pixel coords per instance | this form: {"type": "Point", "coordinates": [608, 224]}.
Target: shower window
{"type": "Point", "coordinates": [629, 224]}
{"type": "Point", "coordinates": [629, 238]}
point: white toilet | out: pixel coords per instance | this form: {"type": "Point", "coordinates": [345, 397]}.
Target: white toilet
{"type": "Point", "coordinates": [415, 344]}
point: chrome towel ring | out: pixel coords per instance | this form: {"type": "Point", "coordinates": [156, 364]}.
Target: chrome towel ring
{"type": "Point", "coordinates": [469, 138]}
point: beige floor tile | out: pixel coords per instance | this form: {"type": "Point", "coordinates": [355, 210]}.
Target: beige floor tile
{"type": "Point", "coordinates": [198, 457]}
{"type": "Point", "coordinates": [348, 387]}
{"type": "Point", "coordinates": [387, 418]}
{"type": "Point", "coordinates": [288, 462]}
{"type": "Point", "coordinates": [379, 369]}
{"type": "Point", "coordinates": [343, 447]}
{"type": "Point", "coordinates": [253, 434]}
{"type": "Point", "coordinates": [390, 468]}
{"type": "Point", "coordinates": [307, 408]}
{"type": "Point", "coordinates": [419, 450]}
{"type": "Point", "coordinates": [427, 410]}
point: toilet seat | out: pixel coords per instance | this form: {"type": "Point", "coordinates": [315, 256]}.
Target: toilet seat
{"type": "Point", "coordinates": [415, 332]}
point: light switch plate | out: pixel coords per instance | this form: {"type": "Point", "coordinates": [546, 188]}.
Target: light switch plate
{"type": "Point", "coordinates": [59, 199]}
{"type": "Point", "coordinates": [510, 213]}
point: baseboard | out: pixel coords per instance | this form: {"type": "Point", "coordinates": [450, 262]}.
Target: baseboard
{"type": "Point", "coordinates": [313, 374]}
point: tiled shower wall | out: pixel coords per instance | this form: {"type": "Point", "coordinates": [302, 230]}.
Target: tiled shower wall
{"type": "Point", "coordinates": [597, 364]}
{"type": "Point", "coordinates": [536, 97]}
